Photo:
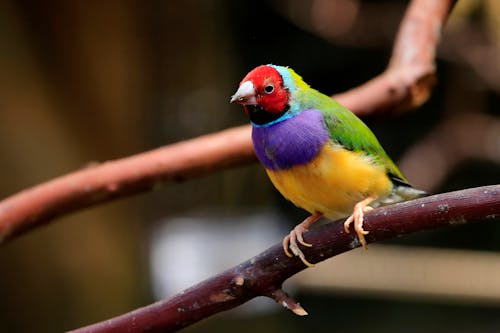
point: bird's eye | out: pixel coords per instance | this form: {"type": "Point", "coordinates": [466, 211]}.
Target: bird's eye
{"type": "Point", "coordinates": [269, 89]}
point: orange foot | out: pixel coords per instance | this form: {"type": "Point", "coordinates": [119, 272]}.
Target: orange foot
{"type": "Point", "coordinates": [290, 240]}
{"type": "Point", "coordinates": [357, 217]}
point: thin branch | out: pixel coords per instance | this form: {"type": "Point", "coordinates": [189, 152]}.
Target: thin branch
{"type": "Point", "coordinates": [124, 177]}
{"type": "Point", "coordinates": [264, 274]}
{"type": "Point", "coordinates": [406, 83]}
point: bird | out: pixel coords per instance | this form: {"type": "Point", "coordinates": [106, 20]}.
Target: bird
{"type": "Point", "coordinates": [317, 153]}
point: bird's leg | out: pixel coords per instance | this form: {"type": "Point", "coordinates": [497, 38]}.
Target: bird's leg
{"type": "Point", "coordinates": [357, 217]}
{"type": "Point", "coordinates": [290, 240]}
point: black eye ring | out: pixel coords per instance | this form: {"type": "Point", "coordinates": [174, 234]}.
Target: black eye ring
{"type": "Point", "coordinates": [269, 89]}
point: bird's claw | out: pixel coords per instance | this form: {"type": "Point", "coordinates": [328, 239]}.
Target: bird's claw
{"type": "Point", "coordinates": [294, 238]}
{"type": "Point", "coordinates": [291, 243]}
{"type": "Point", "coordinates": [358, 217]}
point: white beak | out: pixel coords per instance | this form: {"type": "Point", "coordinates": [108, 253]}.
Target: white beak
{"type": "Point", "coordinates": [245, 94]}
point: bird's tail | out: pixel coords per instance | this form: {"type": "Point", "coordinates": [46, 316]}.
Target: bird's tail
{"type": "Point", "coordinates": [401, 191]}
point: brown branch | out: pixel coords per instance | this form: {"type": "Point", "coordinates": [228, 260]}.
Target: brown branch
{"type": "Point", "coordinates": [408, 81]}
{"type": "Point", "coordinates": [264, 274]}
{"type": "Point", "coordinates": [124, 177]}
{"type": "Point", "coordinates": [405, 84]}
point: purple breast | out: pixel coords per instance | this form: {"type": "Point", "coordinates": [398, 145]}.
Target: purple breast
{"type": "Point", "coordinates": [293, 141]}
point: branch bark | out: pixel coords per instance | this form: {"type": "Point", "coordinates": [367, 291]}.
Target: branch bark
{"type": "Point", "coordinates": [264, 274]}
{"type": "Point", "coordinates": [406, 84]}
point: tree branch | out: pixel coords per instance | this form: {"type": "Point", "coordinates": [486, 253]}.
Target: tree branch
{"type": "Point", "coordinates": [124, 177]}
{"type": "Point", "coordinates": [406, 84]}
{"type": "Point", "coordinates": [408, 80]}
{"type": "Point", "coordinates": [264, 274]}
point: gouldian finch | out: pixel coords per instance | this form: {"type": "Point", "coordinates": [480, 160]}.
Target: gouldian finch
{"type": "Point", "coordinates": [317, 153]}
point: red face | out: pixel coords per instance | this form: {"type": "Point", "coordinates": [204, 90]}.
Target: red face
{"type": "Point", "coordinates": [263, 87]}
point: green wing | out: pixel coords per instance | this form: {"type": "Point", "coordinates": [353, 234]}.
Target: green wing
{"type": "Point", "coordinates": [349, 131]}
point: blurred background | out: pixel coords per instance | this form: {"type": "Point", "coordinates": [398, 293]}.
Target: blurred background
{"type": "Point", "coordinates": [89, 81]}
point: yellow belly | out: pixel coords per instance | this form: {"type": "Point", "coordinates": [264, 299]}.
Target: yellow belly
{"type": "Point", "coordinates": [333, 182]}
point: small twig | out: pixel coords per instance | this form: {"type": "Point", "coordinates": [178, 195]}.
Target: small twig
{"type": "Point", "coordinates": [260, 275]}
{"type": "Point", "coordinates": [287, 302]}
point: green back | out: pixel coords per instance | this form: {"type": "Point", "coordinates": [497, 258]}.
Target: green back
{"type": "Point", "coordinates": [347, 129]}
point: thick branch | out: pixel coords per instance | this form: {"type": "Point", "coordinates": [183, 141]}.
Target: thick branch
{"type": "Point", "coordinates": [401, 86]}
{"type": "Point", "coordinates": [264, 274]}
